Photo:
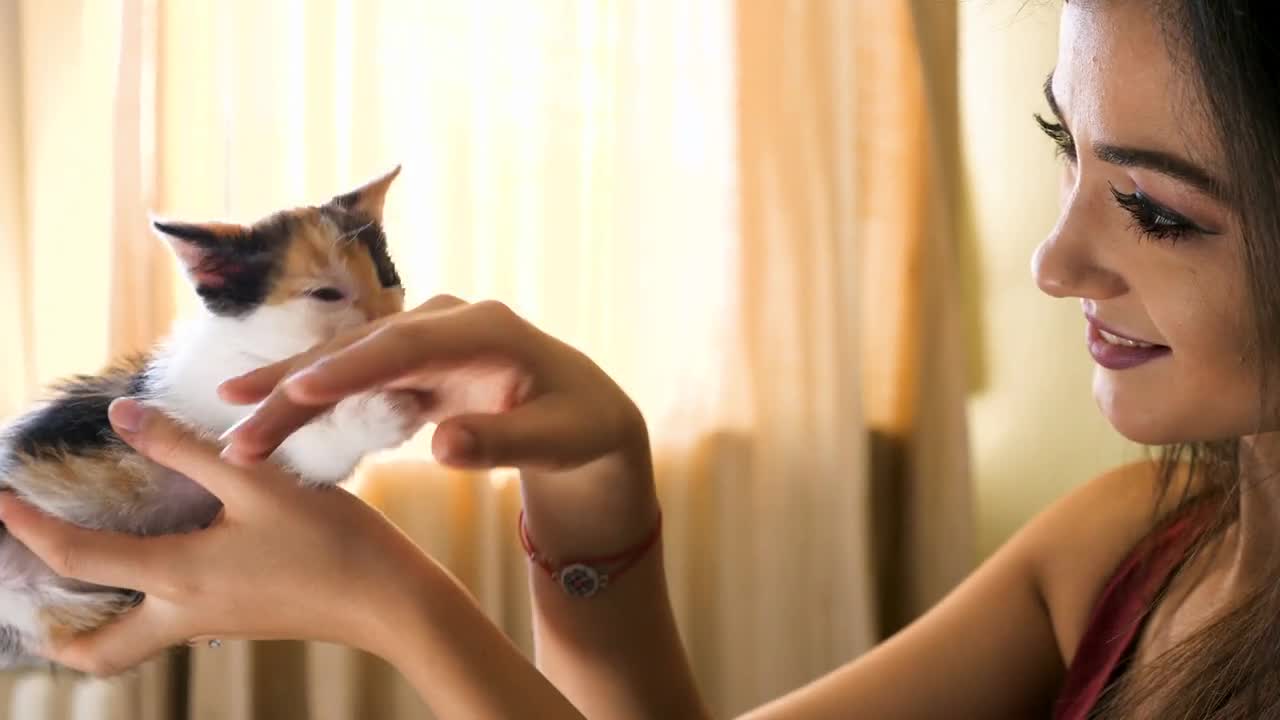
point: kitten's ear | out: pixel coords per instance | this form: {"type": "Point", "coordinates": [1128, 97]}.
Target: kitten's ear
{"type": "Point", "coordinates": [206, 250]}
{"type": "Point", "coordinates": [368, 198]}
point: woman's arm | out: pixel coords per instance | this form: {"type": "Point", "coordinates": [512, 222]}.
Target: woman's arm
{"type": "Point", "coordinates": [460, 663]}
{"type": "Point", "coordinates": [617, 654]}
{"type": "Point", "coordinates": [284, 561]}
{"type": "Point", "coordinates": [504, 394]}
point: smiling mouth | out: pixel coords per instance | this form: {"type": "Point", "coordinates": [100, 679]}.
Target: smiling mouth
{"type": "Point", "coordinates": [1114, 339]}
{"type": "Point", "coordinates": [1117, 352]}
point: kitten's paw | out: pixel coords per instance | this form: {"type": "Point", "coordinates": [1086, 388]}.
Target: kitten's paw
{"type": "Point", "coordinates": [381, 420]}
{"type": "Point", "coordinates": [409, 408]}
{"type": "Point", "coordinates": [328, 450]}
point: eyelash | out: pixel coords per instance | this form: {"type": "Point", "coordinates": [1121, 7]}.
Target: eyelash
{"type": "Point", "coordinates": [1060, 137]}
{"type": "Point", "coordinates": [1154, 221]}
{"type": "Point", "coordinates": [327, 294]}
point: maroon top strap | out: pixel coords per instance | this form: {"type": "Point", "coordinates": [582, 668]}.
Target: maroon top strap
{"type": "Point", "coordinates": [1120, 611]}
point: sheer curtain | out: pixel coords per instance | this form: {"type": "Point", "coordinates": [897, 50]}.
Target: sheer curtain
{"type": "Point", "coordinates": [682, 190]}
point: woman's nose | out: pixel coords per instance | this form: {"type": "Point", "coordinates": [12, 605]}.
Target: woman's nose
{"type": "Point", "coordinates": [1068, 263]}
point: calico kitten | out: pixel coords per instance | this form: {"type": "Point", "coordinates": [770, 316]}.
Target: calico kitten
{"type": "Point", "coordinates": [269, 290]}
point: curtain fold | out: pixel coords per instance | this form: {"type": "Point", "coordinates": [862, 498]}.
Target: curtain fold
{"type": "Point", "coordinates": [914, 379]}
{"type": "Point", "coordinates": [141, 302]}
{"type": "Point", "coordinates": [739, 209]}
{"type": "Point", "coordinates": [799, 313]}
{"type": "Point", "coordinates": [940, 515]}
{"type": "Point", "coordinates": [15, 352]}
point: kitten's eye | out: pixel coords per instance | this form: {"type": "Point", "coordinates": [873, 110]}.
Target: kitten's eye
{"type": "Point", "coordinates": [327, 294]}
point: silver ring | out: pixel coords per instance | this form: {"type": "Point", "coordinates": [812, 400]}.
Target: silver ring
{"type": "Point", "coordinates": [215, 643]}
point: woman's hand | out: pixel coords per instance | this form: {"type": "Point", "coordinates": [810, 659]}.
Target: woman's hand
{"type": "Point", "coordinates": [502, 392]}
{"type": "Point", "coordinates": [280, 561]}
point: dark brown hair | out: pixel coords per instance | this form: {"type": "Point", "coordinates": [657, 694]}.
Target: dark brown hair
{"type": "Point", "coordinates": [1229, 668]}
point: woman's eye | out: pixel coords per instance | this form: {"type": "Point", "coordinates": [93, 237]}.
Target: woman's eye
{"type": "Point", "coordinates": [327, 294]}
{"type": "Point", "coordinates": [1155, 221]}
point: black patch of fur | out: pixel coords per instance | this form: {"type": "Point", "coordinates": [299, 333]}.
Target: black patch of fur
{"type": "Point", "coordinates": [247, 265]}
{"type": "Point", "coordinates": [10, 641]}
{"type": "Point", "coordinates": [75, 419]}
{"type": "Point", "coordinates": [375, 241]}
{"type": "Point", "coordinates": [358, 227]}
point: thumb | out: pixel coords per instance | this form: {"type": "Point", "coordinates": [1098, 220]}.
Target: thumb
{"type": "Point", "coordinates": [162, 439]}
{"type": "Point", "coordinates": [120, 645]}
{"type": "Point", "coordinates": [102, 557]}
{"type": "Point", "coordinates": [545, 435]}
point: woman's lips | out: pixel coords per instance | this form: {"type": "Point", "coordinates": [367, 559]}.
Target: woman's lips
{"type": "Point", "coordinates": [1114, 351]}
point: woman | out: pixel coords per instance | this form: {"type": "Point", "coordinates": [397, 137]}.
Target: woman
{"type": "Point", "coordinates": [1169, 236]}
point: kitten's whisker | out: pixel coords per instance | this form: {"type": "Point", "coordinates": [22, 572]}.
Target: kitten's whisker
{"type": "Point", "coordinates": [345, 237]}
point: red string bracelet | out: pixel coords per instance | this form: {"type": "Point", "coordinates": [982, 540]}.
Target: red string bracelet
{"type": "Point", "coordinates": [584, 577]}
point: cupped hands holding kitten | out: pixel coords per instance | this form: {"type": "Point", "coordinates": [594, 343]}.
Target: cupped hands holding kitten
{"type": "Point", "coordinates": [283, 560]}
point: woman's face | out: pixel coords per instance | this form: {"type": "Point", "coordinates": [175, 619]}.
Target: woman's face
{"type": "Point", "coordinates": [1144, 240]}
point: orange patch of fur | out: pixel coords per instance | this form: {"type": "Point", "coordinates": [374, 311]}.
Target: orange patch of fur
{"type": "Point", "coordinates": [313, 249]}
{"type": "Point", "coordinates": [62, 622]}
{"type": "Point", "coordinates": [114, 475]}
{"type": "Point", "coordinates": [375, 301]}
{"type": "Point", "coordinates": [306, 258]}
{"type": "Point", "coordinates": [224, 229]}
{"type": "Point", "coordinates": [123, 369]}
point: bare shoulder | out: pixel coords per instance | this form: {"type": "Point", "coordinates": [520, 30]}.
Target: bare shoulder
{"type": "Point", "coordinates": [1076, 543]}
{"type": "Point", "coordinates": [997, 644]}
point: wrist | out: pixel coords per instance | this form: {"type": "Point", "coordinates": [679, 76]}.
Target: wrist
{"type": "Point", "coordinates": [434, 633]}
{"type": "Point", "coordinates": [602, 506]}
{"type": "Point", "coordinates": [386, 616]}
{"type": "Point", "coordinates": [591, 515]}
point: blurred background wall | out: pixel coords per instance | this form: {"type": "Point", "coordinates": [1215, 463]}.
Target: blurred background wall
{"type": "Point", "coordinates": [1035, 431]}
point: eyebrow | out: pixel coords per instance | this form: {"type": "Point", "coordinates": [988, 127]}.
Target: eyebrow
{"type": "Point", "coordinates": [1155, 160]}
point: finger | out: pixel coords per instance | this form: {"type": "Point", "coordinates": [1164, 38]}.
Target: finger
{"type": "Point", "coordinates": [547, 434]}
{"type": "Point", "coordinates": [253, 439]}
{"type": "Point", "coordinates": [441, 302]}
{"type": "Point", "coordinates": [413, 345]}
{"type": "Point", "coordinates": [256, 385]}
{"type": "Point", "coordinates": [385, 352]}
{"type": "Point", "coordinates": [96, 556]}
{"type": "Point", "coordinates": [157, 436]}
{"type": "Point", "coordinates": [124, 643]}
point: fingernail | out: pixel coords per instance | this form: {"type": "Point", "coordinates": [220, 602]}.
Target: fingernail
{"type": "Point", "coordinates": [127, 414]}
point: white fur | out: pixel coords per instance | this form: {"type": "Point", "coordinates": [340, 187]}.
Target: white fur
{"type": "Point", "coordinates": [213, 349]}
